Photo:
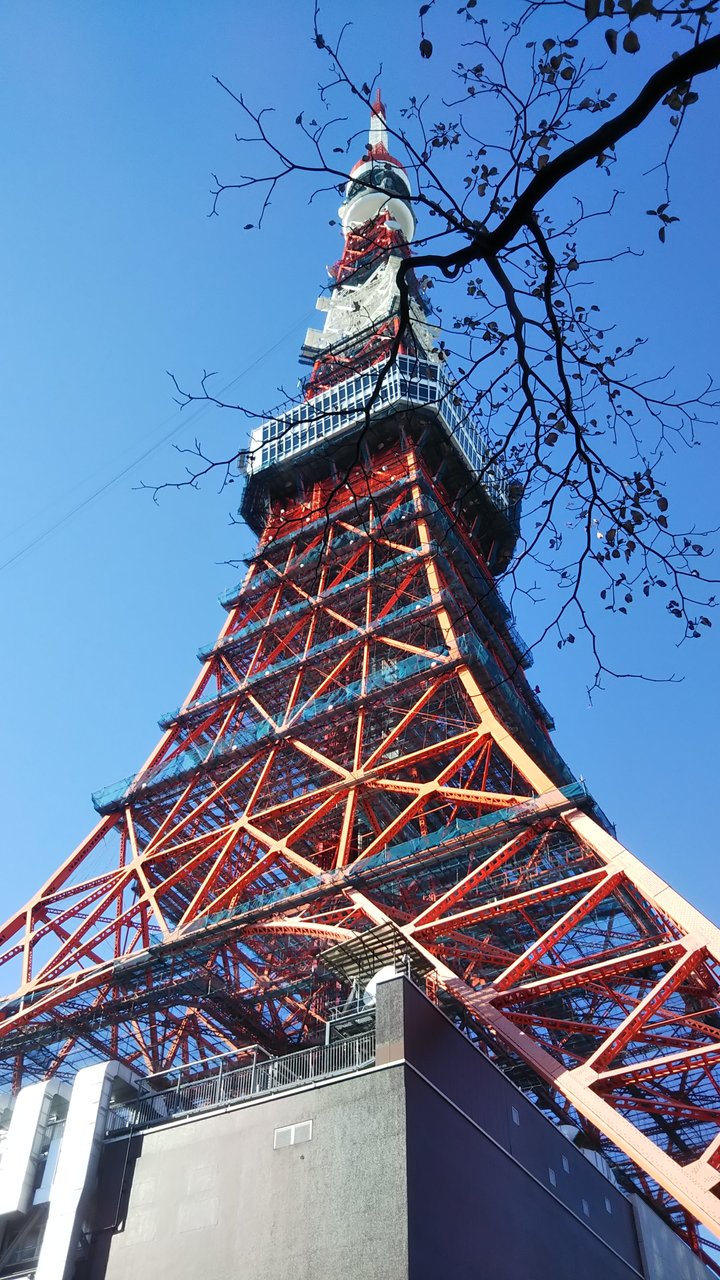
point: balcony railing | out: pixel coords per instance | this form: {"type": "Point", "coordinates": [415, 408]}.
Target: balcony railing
{"type": "Point", "coordinates": [408, 383]}
{"type": "Point", "coordinates": [230, 1084]}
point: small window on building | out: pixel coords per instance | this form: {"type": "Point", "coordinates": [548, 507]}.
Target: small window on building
{"type": "Point", "coordinates": [552, 1178]}
{"type": "Point", "coordinates": [566, 1164]}
{"type": "Point", "coordinates": [586, 1208]}
{"type": "Point", "coordinates": [283, 1137]}
{"type": "Point", "coordinates": [515, 1115]}
{"type": "Point", "coordinates": [608, 1205]}
{"type": "Point", "coordinates": [289, 1135]}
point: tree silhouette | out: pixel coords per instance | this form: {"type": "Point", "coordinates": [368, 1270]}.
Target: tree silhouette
{"type": "Point", "coordinates": [564, 402]}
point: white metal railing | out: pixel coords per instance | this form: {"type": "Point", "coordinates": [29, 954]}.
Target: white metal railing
{"type": "Point", "coordinates": [228, 1083]}
{"type": "Point", "coordinates": [410, 382]}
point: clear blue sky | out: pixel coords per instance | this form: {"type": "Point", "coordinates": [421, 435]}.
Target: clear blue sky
{"type": "Point", "coordinates": [112, 273]}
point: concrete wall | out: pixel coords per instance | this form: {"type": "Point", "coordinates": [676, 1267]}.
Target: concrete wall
{"type": "Point", "coordinates": [211, 1199]}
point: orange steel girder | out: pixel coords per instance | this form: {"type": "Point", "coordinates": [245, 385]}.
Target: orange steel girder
{"type": "Point", "coordinates": [362, 746]}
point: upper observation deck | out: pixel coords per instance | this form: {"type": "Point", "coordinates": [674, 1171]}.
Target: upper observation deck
{"type": "Point", "coordinates": [295, 440]}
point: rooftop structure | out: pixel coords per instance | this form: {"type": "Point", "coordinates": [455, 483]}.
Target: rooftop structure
{"type": "Point", "coordinates": [400, 1153]}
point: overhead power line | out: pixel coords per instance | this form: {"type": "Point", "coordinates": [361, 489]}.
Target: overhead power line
{"type": "Point", "coordinates": [130, 466]}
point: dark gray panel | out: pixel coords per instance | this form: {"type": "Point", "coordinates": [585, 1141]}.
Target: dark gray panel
{"type": "Point", "coordinates": [664, 1255]}
{"type": "Point", "coordinates": [448, 1059]}
{"type": "Point", "coordinates": [457, 1069]}
{"type": "Point", "coordinates": [474, 1214]}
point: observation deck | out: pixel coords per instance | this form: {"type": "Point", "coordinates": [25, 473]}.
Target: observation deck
{"type": "Point", "coordinates": [415, 393]}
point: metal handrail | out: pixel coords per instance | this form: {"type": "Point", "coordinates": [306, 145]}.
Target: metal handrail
{"type": "Point", "coordinates": [239, 1084]}
{"type": "Point", "coordinates": [413, 382]}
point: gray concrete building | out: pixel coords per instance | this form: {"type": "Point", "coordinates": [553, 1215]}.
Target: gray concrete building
{"type": "Point", "coordinates": [399, 1152]}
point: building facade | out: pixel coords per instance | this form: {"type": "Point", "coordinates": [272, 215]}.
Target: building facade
{"type": "Point", "coordinates": [399, 1152]}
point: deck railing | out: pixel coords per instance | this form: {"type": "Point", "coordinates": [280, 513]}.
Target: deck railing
{"type": "Point", "coordinates": [230, 1084]}
{"type": "Point", "coordinates": [409, 382]}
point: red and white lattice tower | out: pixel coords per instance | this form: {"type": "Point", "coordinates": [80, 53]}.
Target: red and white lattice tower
{"type": "Point", "coordinates": [363, 774]}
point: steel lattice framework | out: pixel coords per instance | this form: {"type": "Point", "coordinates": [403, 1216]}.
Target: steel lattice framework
{"type": "Point", "coordinates": [362, 749]}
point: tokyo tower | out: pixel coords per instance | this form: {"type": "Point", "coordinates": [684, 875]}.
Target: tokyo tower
{"type": "Point", "coordinates": [362, 776]}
